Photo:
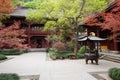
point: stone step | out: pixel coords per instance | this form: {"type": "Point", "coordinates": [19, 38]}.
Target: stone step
{"type": "Point", "coordinates": [37, 49]}
{"type": "Point", "coordinates": [112, 58]}
{"type": "Point", "coordinates": [30, 77]}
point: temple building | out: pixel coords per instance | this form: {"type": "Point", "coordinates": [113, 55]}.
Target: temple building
{"type": "Point", "coordinates": [36, 37]}
{"type": "Point", "coordinates": [96, 23]}
{"type": "Point", "coordinates": [106, 24]}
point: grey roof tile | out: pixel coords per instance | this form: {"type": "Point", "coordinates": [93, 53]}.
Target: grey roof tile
{"type": "Point", "coordinates": [20, 12]}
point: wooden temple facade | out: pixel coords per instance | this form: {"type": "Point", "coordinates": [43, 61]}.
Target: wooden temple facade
{"type": "Point", "coordinates": [103, 25]}
{"type": "Point", "coordinates": [36, 37]}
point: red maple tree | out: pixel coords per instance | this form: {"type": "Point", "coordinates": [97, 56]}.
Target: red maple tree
{"type": "Point", "coordinates": [112, 20]}
{"type": "Point", "coordinates": [12, 37]}
{"type": "Point", "coordinates": [5, 6]}
{"type": "Point", "coordinates": [107, 20]}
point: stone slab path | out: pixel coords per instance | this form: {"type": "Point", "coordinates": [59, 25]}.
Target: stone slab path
{"type": "Point", "coordinates": [36, 63]}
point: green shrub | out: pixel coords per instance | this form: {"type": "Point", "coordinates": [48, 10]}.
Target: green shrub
{"type": "Point", "coordinates": [52, 52]}
{"type": "Point", "coordinates": [11, 52]}
{"type": "Point", "coordinates": [68, 55]}
{"type": "Point", "coordinates": [2, 57]}
{"type": "Point", "coordinates": [80, 56]}
{"type": "Point", "coordinates": [70, 45]}
{"type": "Point", "coordinates": [114, 73]}
{"type": "Point", "coordinates": [6, 76]}
{"type": "Point", "coordinates": [24, 51]}
{"type": "Point", "coordinates": [64, 53]}
{"type": "Point", "coordinates": [58, 54]}
{"type": "Point", "coordinates": [83, 49]}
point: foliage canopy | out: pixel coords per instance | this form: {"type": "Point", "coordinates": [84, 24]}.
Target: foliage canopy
{"type": "Point", "coordinates": [6, 6]}
{"type": "Point", "coordinates": [67, 8]}
{"type": "Point", "coordinates": [64, 14]}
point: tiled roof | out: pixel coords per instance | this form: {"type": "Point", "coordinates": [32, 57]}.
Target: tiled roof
{"type": "Point", "coordinates": [92, 38]}
{"type": "Point", "coordinates": [20, 12]}
{"type": "Point", "coordinates": [111, 5]}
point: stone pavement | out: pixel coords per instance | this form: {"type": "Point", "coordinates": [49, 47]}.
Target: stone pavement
{"type": "Point", "coordinates": [36, 63]}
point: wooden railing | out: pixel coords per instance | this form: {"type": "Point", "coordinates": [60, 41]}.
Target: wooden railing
{"type": "Point", "coordinates": [37, 32]}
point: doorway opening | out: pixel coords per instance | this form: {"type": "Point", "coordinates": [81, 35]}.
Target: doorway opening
{"type": "Point", "coordinates": [36, 41]}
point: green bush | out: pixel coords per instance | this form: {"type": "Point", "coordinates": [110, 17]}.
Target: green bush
{"type": "Point", "coordinates": [24, 51]}
{"type": "Point", "coordinates": [83, 49]}
{"type": "Point", "coordinates": [64, 54]}
{"type": "Point", "coordinates": [80, 56]}
{"type": "Point", "coordinates": [2, 57]}
{"type": "Point", "coordinates": [6, 76]}
{"type": "Point", "coordinates": [58, 54]}
{"type": "Point", "coordinates": [52, 52]}
{"type": "Point", "coordinates": [12, 52]}
{"type": "Point", "coordinates": [70, 45]}
{"type": "Point", "coordinates": [114, 73]}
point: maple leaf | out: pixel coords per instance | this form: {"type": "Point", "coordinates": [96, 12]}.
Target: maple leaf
{"type": "Point", "coordinates": [12, 36]}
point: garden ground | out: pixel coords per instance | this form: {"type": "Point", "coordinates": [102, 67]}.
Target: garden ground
{"type": "Point", "coordinates": [37, 63]}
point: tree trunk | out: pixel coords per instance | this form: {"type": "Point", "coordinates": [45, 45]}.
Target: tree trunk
{"type": "Point", "coordinates": [76, 36]}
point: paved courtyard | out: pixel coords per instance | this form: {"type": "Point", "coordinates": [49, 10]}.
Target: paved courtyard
{"type": "Point", "coordinates": [37, 63]}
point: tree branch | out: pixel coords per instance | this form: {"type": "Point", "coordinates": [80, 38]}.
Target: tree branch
{"type": "Point", "coordinates": [83, 3]}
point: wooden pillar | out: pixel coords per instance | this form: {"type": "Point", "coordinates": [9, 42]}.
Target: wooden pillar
{"type": "Point", "coordinates": [29, 35]}
{"type": "Point", "coordinates": [88, 31]}
{"type": "Point", "coordinates": [97, 34]}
